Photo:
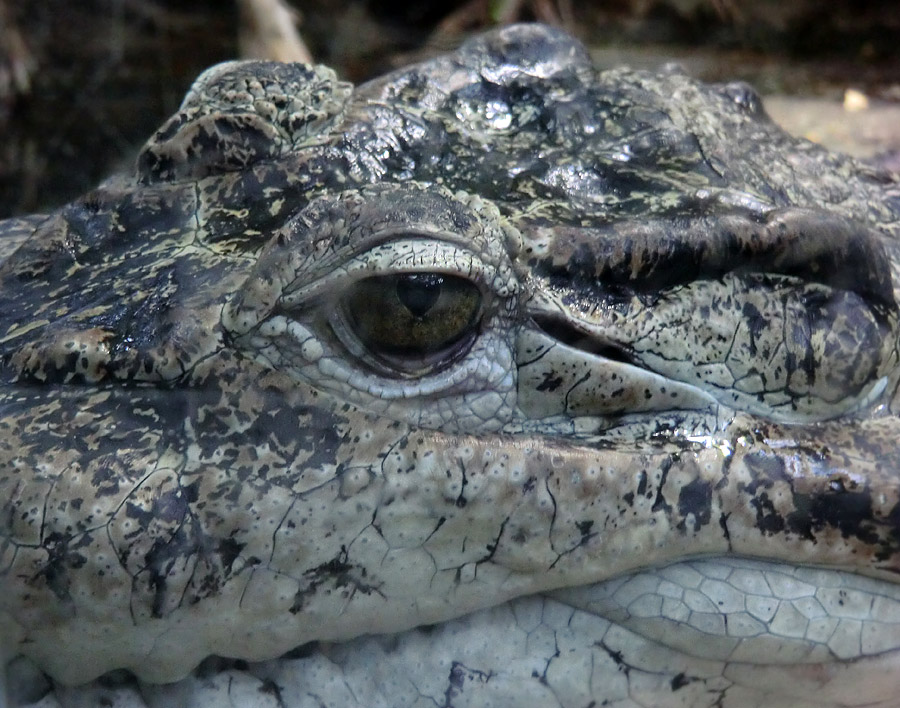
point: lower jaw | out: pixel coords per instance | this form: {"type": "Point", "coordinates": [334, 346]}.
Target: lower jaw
{"type": "Point", "coordinates": [725, 633]}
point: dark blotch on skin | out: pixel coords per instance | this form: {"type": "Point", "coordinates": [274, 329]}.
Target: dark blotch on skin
{"type": "Point", "coordinates": [695, 499]}
{"type": "Point", "coordinates": [660, 503]}
{"type": "Point", "coordinates": [61, 557]}
{"type": "Point", "coordinates": [837, 506]}
{"type": "Point", "coordinates": [848, 511]}
{"type": "Point", "coordinates": [768, 520]}
{"type": "Point", "coordinates": [679, 681]}
{"type": "Point", "coordinates": [550, 382]}
{"type": "Point", "coordinates": [756, 323]}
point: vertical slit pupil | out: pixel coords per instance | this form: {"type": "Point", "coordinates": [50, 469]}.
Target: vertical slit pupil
{"type": "Point", "coordinates": [419, 291]}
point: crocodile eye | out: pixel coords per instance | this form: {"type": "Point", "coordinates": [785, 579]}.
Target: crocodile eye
{"type": "Point", "coordinates": [409, 323]}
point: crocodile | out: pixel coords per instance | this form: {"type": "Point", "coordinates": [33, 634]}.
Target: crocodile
{"type": "Point", "coordinates": [499, 380]}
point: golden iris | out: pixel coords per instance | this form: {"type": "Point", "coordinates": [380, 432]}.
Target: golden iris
{"type": "Point", "coordinates": [412, 314]}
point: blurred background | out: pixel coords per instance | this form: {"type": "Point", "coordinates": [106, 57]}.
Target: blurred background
{"type": "Point", "coordinates": [83, 83]}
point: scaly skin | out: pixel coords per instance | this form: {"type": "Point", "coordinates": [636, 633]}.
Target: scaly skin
{"type": "Point", "coordinates": [604, 358]}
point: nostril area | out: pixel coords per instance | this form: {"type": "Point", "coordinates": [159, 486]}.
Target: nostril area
{"type": "Point", "coordinates": [565, 333]}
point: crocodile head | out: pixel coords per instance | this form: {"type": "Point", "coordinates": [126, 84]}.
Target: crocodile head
{"type": "Point", "coordinates": [498, 378]}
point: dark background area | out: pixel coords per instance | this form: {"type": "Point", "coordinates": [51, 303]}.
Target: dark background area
{"type": "Point", "coordinates": [103, 74]}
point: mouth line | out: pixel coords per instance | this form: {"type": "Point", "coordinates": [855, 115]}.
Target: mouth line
{"type": "Point", "coordinates": [684, 429]}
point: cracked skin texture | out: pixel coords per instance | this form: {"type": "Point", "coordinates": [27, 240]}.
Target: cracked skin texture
{"type": "Point", "coordinates": [519, 380]}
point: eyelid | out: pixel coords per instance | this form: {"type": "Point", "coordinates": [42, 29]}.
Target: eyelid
{"type": "Point", "coordinates": [421, 255]}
